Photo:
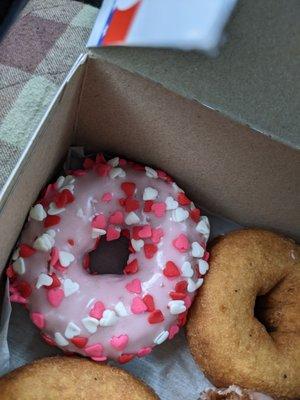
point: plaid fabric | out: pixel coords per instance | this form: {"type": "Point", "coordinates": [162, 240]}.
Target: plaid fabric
{"type": "Point", "coordinates": [35, 56]}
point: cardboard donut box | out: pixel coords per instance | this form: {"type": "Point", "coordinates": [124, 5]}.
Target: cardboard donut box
{"type": "Point", "coordinates": [182, 112]}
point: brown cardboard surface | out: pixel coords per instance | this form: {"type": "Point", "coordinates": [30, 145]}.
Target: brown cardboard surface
{"type": "Point", "coordinates": [226, 167]}
{"type": "Point", "coordinates": [46, 153]}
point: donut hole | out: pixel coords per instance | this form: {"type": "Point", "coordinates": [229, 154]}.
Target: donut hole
{"type": "Point", "coordinates": [109, 257]}
{"type": "Point", "coordinates": [260, 313]}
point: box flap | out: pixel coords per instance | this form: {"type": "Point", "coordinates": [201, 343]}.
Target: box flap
{"type": "Point", "coordinates": [254, 79]}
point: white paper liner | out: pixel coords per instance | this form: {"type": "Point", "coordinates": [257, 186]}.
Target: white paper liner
{"type": "Point", "coordinates": [170, 369]}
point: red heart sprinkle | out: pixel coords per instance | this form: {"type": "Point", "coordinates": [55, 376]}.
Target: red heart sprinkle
{"type": "Point", "coordinates": [116, 218]}
{"type": "Point", "coordinates": [48, 339]}
{"type": "Point", "coordinates": [112, 233]}
{"type": "Point", "coordinates": [131, 205]}
{"type": "Point", "coordinates": [71, 242]}
{"type": "Point", "coordinates": [149, 250]}
{"type": "Point", "coordinates": [88, 163]}
{"type": "Point", "coordinates": [206, 256]}
{"type": "Point", "coordinates": [183, 200]}
{"type": "Point", "coordinates": [171, 270]}
{"type": "Point", "coordinates": [86, 261]}
{"type": "Point", "coordinates": [138, 167]}
{"type": "Point", "coordinates": [181, 286]}
{"type": "Point", "coordinates": [132, 267]}
{"type": "Point", "coordinates": [26, 251]}
{"type": "Point", "coordinates": [122, 202]}
{"type": "Point", "coordinates": [55, 283]}
{"type": "Point", "coordinates": [125, 358]}
{"type": "Point", "coordinates": [99, 222]}
{"type": "Point", "coordinates": [103, 169]}
{"type": "Point", "coordinates": [51, 220]}
{"type": "Point", "coordinates": [148, 300]}
{"type": "Point", "coordinates": [156, 317]}
{"type": "Point", "coordinates": [159, 209]}
{"type": "Point", "coordinates": [128, 188]}
{"type": "Point", "coordinates": [24, 289]}
{"type": "Point", "coordinates": [79, 341]}
{"type": "Point", "coordinates": [181, 320]}
{"type": "Point", "coordinates": [63, 198]}
{"type": "Point", "coordinates": [148, 205]}
{"type": "Point", "coordinates": [135, 232]}
{"type": "Point", "coordinates": [195, 214]}
{"type": "Point", "coordinates": [100, 159]}
{"type": "Point", "coordinates": [177, 295]}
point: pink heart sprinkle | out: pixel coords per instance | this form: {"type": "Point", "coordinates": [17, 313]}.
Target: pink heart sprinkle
{"type": "Point", "coordinates": [181, 243]}
{"type": "Point", "coordinates": [107, 197]}
{"type": "Point", "coordinates": [112, 233]}
{"type": "Point", "coordinates": [119, 342]}
{"type": "Point", "coordinates": [138, 306]}
{"type": "Point", "coordinates": [55, 296]}
{"type": "Point", "coordinates": [159, 209]}
{"type": "Point", "coordinates": [157, 234]}
{"type": "Point", "coordinates": [116, 218]}
{"type": "Point", "coordinates": [173, 330]}
{"type": "Point", "coordinates": [99, 359]}
{"type": "Point", "coordinates": [144, 351]}
{"type": "Point", "coordinates": [145, 232]}
{"type": "Point", "coordinates": [97, 310]}
{"type": "Point", "coordinates": [187, 301]}
{"type": "Point", "coordinates": [54, 256]}
{"type": "Point", "coordinates": [99, 222]}
{"type": "Point", "coordinates": [38, 319]}
{"type": "Point", "coordinates": [95, 350]}
{"type": "Point", "coordinates": [16, 298]}
{"type": "Point", "coordinates": [134, 286]}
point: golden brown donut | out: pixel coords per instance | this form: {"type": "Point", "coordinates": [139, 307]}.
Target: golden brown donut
{"type": "Point", "coordinates": [69, 378]}
{"type": "Point", "coordinates": [227, 340]}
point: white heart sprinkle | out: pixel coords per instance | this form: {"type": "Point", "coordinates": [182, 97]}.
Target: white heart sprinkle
{"type": "Point", "coordinates": [53, 210]}
{"type": "Point", "coordinates": [43, 280]}
{"type": "Point", "coordinates": [114, 162]}
{"type": "Point", "coordinates": [176, 187]}
{"type": "Point", "coordinates": [60, 181]}
{"type": "Point", "coordinates": [161, 337]}
{"type": "Point", "coordinates": [60, 340]}
{"type": "Point", "coordinates": [51, 232]}
{"type": "Point", "coordinates": [203, 227]}
{"type": "Point", "coordinates": [203, 266]}
{"type": "Point", "coordinates": [150, 193]}
{"type": "Point", "coordinates": [38, 213]}
{"type": "Point", "coordinates": [121, 310]}
{"type": "Point", "coordinates": [97, 233]}
{"type": "Point", "coordinates": [171, 203]}
{"type": "Point", "coordinates": [187, 270]}
{"type": "Point", "coordinates": [70, 287]}
{"type": "Point", "coordinates": [90, 324]}
{"type": "Point", "coordinates": [197, 250]}
{"type": "Point", "coordinates": [15, 254]}
{"type": "Point", "coordinates": [137, 244]}
{"type": "Point", "coordinates": [69, 180]}
{"type": "Point", "coordinates": [109, 318]}
{"type": "Point", "coordinates": [67, 187]}
{"type": "Point", "coordinates": [44, 243]}
{"type": "Point", "coordinates": [65, 258]}
{"type": "Point", "coordinates": [19, 266]}
{"type": "Point", "coordinates": [180, 214]}
{"type": "Point", "coordinates": [117, 173]}
{"type": "Point", "coordinates": [151, 173]}
{"type": "Point", "coordinates": [132, 218]}
{"type": "Point", "coordinates": [147, 285]}
{"type": "Point", "coordinates": [72, 330]}
{"type": "Point", "coordinates": [192, 286]}
{"type": "Point", "coordinates": [176, 307]}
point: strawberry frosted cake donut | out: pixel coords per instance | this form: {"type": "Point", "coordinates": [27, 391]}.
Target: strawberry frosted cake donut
{"type": "Point", "coordinates": [110, 316]}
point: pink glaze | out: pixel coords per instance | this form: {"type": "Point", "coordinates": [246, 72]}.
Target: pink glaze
{"type": "Point", "coordinates": [110, 316]}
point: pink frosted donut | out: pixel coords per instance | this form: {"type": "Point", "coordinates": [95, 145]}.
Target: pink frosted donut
{"type": "Point", "coordinates": [110, 316]}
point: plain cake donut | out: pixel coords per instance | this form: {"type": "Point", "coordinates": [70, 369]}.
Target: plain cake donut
{"type": "Point", "coordinates": [253, 273]}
